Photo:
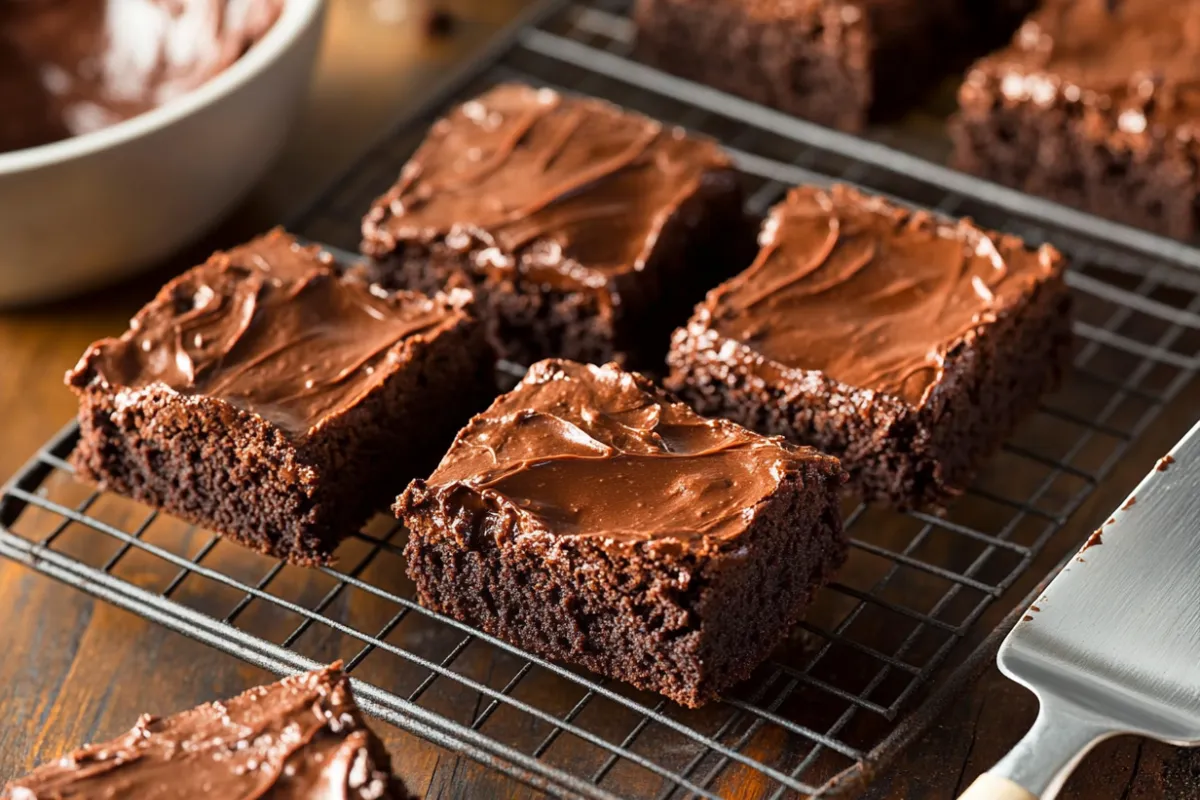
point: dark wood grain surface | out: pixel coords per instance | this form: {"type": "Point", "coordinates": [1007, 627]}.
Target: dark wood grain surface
{"type": "Point", "coordinates": [75, 670]}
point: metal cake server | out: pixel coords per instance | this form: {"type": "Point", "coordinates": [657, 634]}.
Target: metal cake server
{"type": "Point", "coordinates": [1113, 646]}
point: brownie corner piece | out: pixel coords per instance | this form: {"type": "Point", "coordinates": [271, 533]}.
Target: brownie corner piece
{"type": "Point", "coordinates": [586, 231]}
{"type": "Point", "coordinates": [906, 345]}
{"type": "Point", "coordinates": [301, 737]}
{"type": "Point", "coordinates": [1090, 106]}
{"type": "Point", "coordinates": [591, 518]}
{"type": "Point", "coordinates": [270, 397]}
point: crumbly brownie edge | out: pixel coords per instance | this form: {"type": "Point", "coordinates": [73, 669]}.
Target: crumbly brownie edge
{"type": "Point", "coordinates": [751, 604]}
{"type": "Point", "coordinates": [523, 322]}
{"type": "Point", "coordinates": [998, 377]}
{"type": "Point", "coordinates": [873, 435]}
{"type": "Point", "coordinates": [1055, 152]}
{"type": "Point", "coordinates": [906, 457]}
{"type": "Point", "coordinates": [798, 68]}
{"type": "Point", "coordinates": [672, 623]}
{"type": "Point", "coordinates": [205, 462]}
{"type": "Point", "coordinates": [218, 467]}
{"type": "Point", "coordinates": [706, 240]}
{"type": "Point", "coordinates": [401, 430]}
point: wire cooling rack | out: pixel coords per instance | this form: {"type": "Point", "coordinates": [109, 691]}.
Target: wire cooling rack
{"type": "Point", "coordinates": [912, 617]}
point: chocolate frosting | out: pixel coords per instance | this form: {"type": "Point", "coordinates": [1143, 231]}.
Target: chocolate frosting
{"type": "Point", "coordinates": [272, 328]}
{"type": "Point", "coordinates": [1134, 63]}
{"type": "Point", "coordinates": [300, 738]}
{"type": "Point", "coordinates": [69, 67]}
{"type": "Point", "coordinates": [871, 295]}
{"type": "Point", "coordinates": [569, 192]}
{"type": "Point", "coordinates": [586, 451]}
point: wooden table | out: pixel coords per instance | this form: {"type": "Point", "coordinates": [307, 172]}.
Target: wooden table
{"type": "Point", "coordinates": [77, 670]}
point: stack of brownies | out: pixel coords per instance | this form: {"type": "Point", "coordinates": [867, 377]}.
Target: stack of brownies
{"type": "Point", "coordinates": [667, 537]}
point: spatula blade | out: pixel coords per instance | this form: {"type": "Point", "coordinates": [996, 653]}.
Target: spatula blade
{"type": "Point", "coordinates": [1118, 631]}
{"type": "Point", "coordinates": [1113, 646]}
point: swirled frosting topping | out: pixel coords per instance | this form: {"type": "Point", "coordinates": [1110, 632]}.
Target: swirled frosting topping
{"type": "Point", "coordinates": [871, 295]}
{"type": "Point", "coordinates": [569, 192]}
{"type": "Point", "coordinates": [582, 450]}
{"type": "Point", "coordinates": [300, 738]}
{"type": "Point", "coordinates": [69, 67]}
{"type": "Point", "coordinates": [1135, 62]}
{"type": "Point", "coordinates": [272, 328]}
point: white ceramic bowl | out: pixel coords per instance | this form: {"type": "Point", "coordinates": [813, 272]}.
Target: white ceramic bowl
{"type": "Point", "coordinates": [86, 211]}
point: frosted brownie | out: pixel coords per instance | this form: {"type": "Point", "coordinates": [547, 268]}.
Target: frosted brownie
{"type": "Point", "coordinates": [267, 396]}
{"type": "Point", "coordinates": [1093, 105]}
{"type": "Point", "coordinates": [588, 232]}
{"type": "Point", "coordinates": [905, 345]}
{"type": "Point", "coordinates": [589, 517]}
{"type": "Point", "coordinates": [301, 738]}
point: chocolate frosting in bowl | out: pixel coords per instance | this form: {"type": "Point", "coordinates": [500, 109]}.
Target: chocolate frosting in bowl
{"type": "Point", "coordinates": [70, 67]}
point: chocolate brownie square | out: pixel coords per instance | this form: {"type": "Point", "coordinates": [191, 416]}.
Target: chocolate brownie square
{"type": "Point", "coordinates": [836, 62]}
{"type": "Point", "coordinates": [587, 232]}
{"type": "Point", "coordinates": [302, 737]}
{"type": "Point", "coordinates": [905, 345]}
{"type": "Point", "coordinates": [590, 517]}
{"type": "Point", "coordinates": [269, 397]}
{"type": "Point", "coordinates": [1092, 105]}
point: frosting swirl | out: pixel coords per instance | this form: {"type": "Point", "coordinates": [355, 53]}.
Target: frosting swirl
{"type": "Point", "coordinates": [587, 451]}
{"type": "Point", "coordinates": [272, 328]}
{"type": "Point", "coordinates": [871, 295]}
{"type": "Point", "coordinates": [567, 192]}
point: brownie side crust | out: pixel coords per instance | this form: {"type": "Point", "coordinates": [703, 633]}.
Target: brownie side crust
{"type": "Point", "coordinates": [287, 470]}
{"type": "Point", "coordinates": [1089, 107]}
{"type": "Point", "coordinates": [913, 439]}
{"type": "Point", "coordinates": [813, 64]}
{"type": "Point", "coordinates": [585, 231]}
{"type": "Point", "coordinates": [895, 456]}
{"type": "Point", "coordinates": [303, 737]}
{"type": "Point", "coordinates": [839, 63]}
{"type": "Point", "coordinates": [613, 574]}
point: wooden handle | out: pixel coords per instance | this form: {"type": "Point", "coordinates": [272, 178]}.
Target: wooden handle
{"type": "Point", "coordinates": [992, 787]}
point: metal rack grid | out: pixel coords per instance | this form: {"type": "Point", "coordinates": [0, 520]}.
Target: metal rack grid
{"type": "Point", "coordinates": [842, 696]}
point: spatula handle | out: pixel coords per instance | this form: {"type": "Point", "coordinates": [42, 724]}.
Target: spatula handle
{"type": "Point", "coordinates": [1039, 764]}
{"type": "Point", "coordinates": [992, 787]}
